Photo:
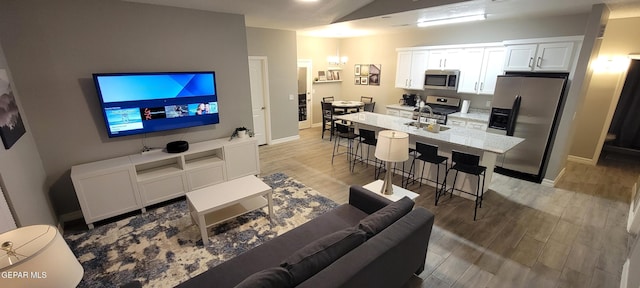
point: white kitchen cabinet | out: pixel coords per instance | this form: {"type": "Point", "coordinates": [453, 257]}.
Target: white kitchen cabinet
{"type": "Point", "coordinates": [115, 186]}
{"type": "Point", "coordinates": [400, 111]}
{"type": "Point", "coordinates": [477, 125]}
{"type": "Point", "coordinates": [410, 69]}
{"type": "Point", "coordinates": [444, 59]}
{"type": "Point", "coordinates": [456, 122]}
{"type": "Point", "coordinates": [552, 56]}
{"type": "Point", "coordinates": [480, 69]}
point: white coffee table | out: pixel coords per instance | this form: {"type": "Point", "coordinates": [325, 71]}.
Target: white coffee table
{"type": "Point", "coordinates": [213, 204]}
{"type": "Point", "coordinates": [398, 192]}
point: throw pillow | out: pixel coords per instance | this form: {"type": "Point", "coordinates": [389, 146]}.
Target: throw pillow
{"type": "Point", "coordinates": [319, 254]}
{"type": "Point", "coordinates": [276, 277]}
{"type": "Point", "coordinates": [384, 217]}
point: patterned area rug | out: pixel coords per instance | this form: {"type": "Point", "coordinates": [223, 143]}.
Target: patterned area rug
{"type": "Point", "coordinates": [162, 248]}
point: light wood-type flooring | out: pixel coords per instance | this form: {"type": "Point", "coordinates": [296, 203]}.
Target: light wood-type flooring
{"type": "Point", "coordinates": [526, 235]}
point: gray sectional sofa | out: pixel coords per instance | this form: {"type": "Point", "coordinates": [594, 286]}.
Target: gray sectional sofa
{"type": "Point", "coordinates": [350, 246]}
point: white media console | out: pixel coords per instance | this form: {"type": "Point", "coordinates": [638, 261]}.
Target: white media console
{"type": "Point", "coordinates": [115, 186]}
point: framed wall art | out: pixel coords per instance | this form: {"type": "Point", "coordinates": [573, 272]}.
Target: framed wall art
{"type": "Point", "coordinates": [11, 125]}
{"type": "Point", "coordinates": [367, 74]}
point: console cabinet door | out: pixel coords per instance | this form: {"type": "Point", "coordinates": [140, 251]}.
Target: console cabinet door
{"type": "Point", "coordinates": [242, 159]}
{"type": "Point", "coordinates": [161, 189]}
{"type": "Point", "coordinates": [206, 176]}
{"type": "Point", "coordinates": [106, 194]}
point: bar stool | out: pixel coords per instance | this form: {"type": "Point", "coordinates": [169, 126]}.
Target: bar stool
{"type": "Point", "coordinates": [469, 164]}
{"type": "Point", "coordinates": [343, 132]}
{"type": "Point", "coordinates": [366, 137]}
{"type": "Point", "coordinates": [429, 154]}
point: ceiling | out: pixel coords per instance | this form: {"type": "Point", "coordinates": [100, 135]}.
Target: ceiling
{"type": "Point", "coordinates": [351, 18]}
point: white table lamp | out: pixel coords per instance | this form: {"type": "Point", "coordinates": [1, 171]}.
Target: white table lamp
{"type": "Point", "coordinates": [37, 256]}
{"type": "Point", "coordinates": [393, 146]}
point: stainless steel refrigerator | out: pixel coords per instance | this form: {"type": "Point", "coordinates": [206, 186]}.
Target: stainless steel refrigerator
{"type": "Point", "coordinates": [527, 105]}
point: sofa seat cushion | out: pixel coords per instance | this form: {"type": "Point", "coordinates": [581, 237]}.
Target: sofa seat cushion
{"type": "Point", "coordinates": [273, 252]}
{"type": "Point", "coordinates": [274, 277]}
{"type": "Point", "coordinates": [386, 216]}
{"type": "Point", "coordinates": [319, 254]}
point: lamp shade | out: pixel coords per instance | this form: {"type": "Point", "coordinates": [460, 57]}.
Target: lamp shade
{"type": "Point", "coordinates": [37, 256]}
{"type": "Point", "coordinates": [393, 146]}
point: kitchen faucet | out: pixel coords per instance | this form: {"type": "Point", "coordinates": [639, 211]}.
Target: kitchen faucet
{"type": "Point", "coordinates": [420, 114]}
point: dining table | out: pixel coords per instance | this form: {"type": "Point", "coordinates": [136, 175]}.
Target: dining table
{"type": "Point", "coordinates": [345, 106]}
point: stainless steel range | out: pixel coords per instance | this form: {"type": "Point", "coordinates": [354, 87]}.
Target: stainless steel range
{"type": "Point", "coordinates": [441, 107]}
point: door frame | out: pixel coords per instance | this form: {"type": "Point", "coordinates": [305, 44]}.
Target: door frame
{"type": "Point", "coordinates": [308, 64]}
{"type": "Point", "coordinates": [267, 104]}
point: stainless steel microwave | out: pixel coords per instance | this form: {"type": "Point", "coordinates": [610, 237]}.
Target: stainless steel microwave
{"type": "Point", "coordinates": [441, 79]}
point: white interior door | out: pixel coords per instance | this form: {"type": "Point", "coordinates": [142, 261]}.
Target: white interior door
{"type": "Point", "coordinates": [304, 94]}
{"type": "Point", "coordinates": [258, 77]}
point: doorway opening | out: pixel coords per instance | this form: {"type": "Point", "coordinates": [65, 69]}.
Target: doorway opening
{"type": "Point", "coordinates": [304, 94]}
{"type": "Point", "coordinates": [623, 137]}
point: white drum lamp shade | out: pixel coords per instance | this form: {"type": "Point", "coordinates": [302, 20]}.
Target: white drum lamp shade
{"type": "Point", "coordinates": [37, 256]}
{"type": "Point", "coordinates": [392, 146]}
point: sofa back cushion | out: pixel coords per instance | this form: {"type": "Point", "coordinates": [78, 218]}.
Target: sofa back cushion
{"type": "Point", "coordinates": [384, 217]}
{"type": "Point", "coordinates": [319, 254]}
{"type": "Point", "coordinates": [275, 277]}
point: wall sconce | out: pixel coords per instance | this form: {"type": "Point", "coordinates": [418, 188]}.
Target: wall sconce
{"type": "Point", "coordinates": [615, 64]}
{"type": "Point", "coordinates": [337, 60]}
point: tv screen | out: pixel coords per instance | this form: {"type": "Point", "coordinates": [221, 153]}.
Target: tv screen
{"type": "Point", "coordinates": [135, 103]}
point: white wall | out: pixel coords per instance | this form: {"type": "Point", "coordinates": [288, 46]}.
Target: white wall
{"type": "Point", "coordinates": [22, 173]}
{"type": "Point", "coordinates": [53, 47]}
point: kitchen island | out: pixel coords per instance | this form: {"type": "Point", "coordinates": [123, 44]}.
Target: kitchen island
{"type": "Point", "coordinates": [486, 145]}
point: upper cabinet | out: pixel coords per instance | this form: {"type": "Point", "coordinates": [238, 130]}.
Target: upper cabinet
{"type": "Point", "coordinates": [479, 69]}
{"type": "Point", "coordinates": [444, 59]}
{"type": "Point", "coordinates": [548, 57]}
{"type": "Point", "coordinates": [410, 69]}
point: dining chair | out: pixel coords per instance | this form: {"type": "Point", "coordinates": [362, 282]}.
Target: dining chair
{"type": "Point", "coordinates": [328, 99]}
{"type": "Point", "coordinates": [328, 122]}
{"type": "Point", "coordinates": [366, 99]}
{"type": "Point", "coordinates": [368, 107]}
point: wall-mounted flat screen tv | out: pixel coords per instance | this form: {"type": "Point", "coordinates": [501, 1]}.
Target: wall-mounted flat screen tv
{"type": "Point", "coordinates": [135, 103]}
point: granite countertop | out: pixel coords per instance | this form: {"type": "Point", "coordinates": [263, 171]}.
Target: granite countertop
{"type": "Point", "coordinates": [455, 135]}
{"type": "Point", "coordinates": [401, 107]}
{"type": "Point", "coordinates": [474, 114]}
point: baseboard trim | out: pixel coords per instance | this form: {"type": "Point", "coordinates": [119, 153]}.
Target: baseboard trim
{"type": "Point", "coordinates": [75, 215]}
{"type": "Point", "coordinates": [581, 160]}
{"type": "Point", "coordinates": [284, 140]}
{"type": "Point", "coordinates": [625, 274]}
{"type": "Point", "coordinates": [552, 183]}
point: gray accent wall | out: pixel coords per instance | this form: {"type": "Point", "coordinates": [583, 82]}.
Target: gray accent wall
{"type": "Point", "coordinates": [22, 175]}
{"type": "Point", "coordinates": [279, 46]}
{"type": "Point", "coordinates": [53, 47]}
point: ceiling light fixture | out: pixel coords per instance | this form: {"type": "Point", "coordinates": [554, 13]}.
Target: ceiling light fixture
{"type": "Point", "coordinates": [337, 60]}
{"type": "Point", "coordinates": [452, 20]}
